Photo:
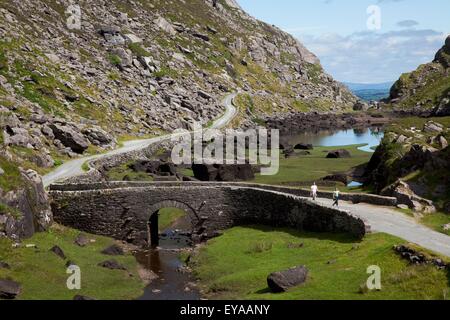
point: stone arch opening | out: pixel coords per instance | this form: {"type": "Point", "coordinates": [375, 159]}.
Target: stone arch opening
{"type": "Point", "coordinates": [153, 221]}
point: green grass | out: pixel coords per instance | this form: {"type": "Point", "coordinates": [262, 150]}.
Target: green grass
{"type": "Point", "coordinates": [302, 170]}
{"type": "Point", "coordinates": [138, 50]}
{"type": "Point", "coordinates": [11, 179]}
{"type": "Point", "coordinates": [5, 209]}
{"type": "Point", "coordinates": [43, 274]}
{"type": "Point", "coordinates": [85, 167]}
{"type": "Point", "coordinates": [436, 221]}
{"type": "Point", "coordinates": [114, 59]}
{"type": "Point", "coordinates": [168, 216]}
{"type": "Point", "coordinates": [236, 265]}
{"type": "Point", "coordinates": [123, 172]}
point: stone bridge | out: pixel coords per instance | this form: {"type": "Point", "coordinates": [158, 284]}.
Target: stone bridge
{"type": "Point", "coordinates": [128, 210]}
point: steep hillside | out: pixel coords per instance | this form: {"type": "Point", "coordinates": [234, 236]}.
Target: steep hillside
{"type": "Point", "coordinates": [425, 91]}
{"type": "Point", "coordinates": [139, 68]}
{"type": "Point", "coordinates": [413, 163]}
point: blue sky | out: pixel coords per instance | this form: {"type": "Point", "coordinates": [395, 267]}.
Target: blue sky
{"type": "Point", "coordinates": [336, 31]}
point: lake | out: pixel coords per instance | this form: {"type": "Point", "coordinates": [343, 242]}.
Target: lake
{"type": "Point", "coordinates": [370, 137]}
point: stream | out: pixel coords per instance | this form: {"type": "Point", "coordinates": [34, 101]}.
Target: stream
{"type": "Point", "coordinates": [173, 282]}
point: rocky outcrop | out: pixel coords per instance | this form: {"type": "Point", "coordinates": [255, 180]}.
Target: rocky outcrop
{"type": "Point", "coordinates": [99, 137]}
{"type": "Point", "coordinates": [112, 265]}
{"type": "Point", "coordinates": [337, 154]}
{"type": "Point", "coordinates": [31, 208]}
{"type": "Point", "coordinates": [412, 164]}
{"type": "Point", "coordinates": [338, 177]}
{"type": "Point", "coordinates": [113, 250]}
{"type": "Point", "coordinates": [290, 123]}
{"type": "Point", "coordinates": [284, 280]}
{"type": "Point", "coordinates": [402, 191]}
{"type": "Point", "coordinates": [70, 138]}
{"type": "Point", "coordinates": [419, 258]}
{"type": "Point", "coordinates": [416, 93]}
{"type": "Point", "coordinates": [221, 172]}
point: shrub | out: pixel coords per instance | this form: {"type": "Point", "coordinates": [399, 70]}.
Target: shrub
{"type": "Point", "coordinates": [138, 50]}
{"type": "Point", "coordinates": [114, 59]}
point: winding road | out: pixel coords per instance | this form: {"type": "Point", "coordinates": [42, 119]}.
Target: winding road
{"type": "Point", "coordinates": [390, 221]}
{"type": "Point", "coordinates": [74, 167]}
{"type": "Point", "coordinates": [380, 219]}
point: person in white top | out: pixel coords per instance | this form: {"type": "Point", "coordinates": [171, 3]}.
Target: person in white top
{"type": "Point", "coordinates": [314, 191]}
{"type": "Point", "coordinates": [336, 197]}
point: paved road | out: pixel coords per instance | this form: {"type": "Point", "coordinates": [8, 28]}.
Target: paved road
{"type": "Point", "coordinates": [74, 168]}
{"type": "Point", "coordinates": [380, 219]}
{"type": "Point", "coordinates": [388, 220]}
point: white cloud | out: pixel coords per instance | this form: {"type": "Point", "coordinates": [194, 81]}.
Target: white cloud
{"type": "Point", "coordinates": [370, 57]}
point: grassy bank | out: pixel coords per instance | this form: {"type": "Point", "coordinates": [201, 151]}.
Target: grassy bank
{"type": "Point", "coordinates": [43, 274]}
{"type": "Point", "coordinates": [302, 170]}
{"type": "Point", "coordinates": [236, 265]}
{"type": "Point", "coordinates": [168, 216]}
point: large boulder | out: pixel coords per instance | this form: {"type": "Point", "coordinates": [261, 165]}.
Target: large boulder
{"type": "Point", "coordinates": [338, 177]}
{"type": "Point", "coordinates": [99, 137]}
{"type": "Point", "coordinates": [284, 280]}
{"type": "Point", "coordinates": [70, 138]}
{"type": "Point", "coordinates": [361, 106]}
{"type": "Point", "coordinates": [82, 240]}
{"type": "Point", "coordinates": [303, 146]}
{"type": "Point", "coordinates": [433, 127]}
{"type": "Point", "coordinates": [223, 172]}
{"type": "Point", "coordinates": [165, 25]}
{"type": "Point", "coordinates": [405, 195]}
{"type": "Point", "coordinates": [155, 167]}
{"type": "Point", "coordinates": [112, 265]}
{"type": "Point", "coordinates": [31, 205]}
{"type": "Point", "coordinates": [337, 154]}
{"type": "Point", "coordinates": [58, 251]}
{"type": "Point", "coordinates": [113, 250]}
{"type": "Point", "coordinates": [9, 289]}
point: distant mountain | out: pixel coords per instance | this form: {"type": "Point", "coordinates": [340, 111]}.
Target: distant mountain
{"type": "Point", "coordinates": [370, 91]}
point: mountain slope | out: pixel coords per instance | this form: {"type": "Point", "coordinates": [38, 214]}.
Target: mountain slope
{"type": "Point", "coordinates": [141, 67]}
{"type": "Point", "coordinates": [425, 91]}
{"type": "Point", "coordinates": [138, 68]}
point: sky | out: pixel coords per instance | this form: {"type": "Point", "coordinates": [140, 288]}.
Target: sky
{"type": "Point", "coordinates": [362, 41]}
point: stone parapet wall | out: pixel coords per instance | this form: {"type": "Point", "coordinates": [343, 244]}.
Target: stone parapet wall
{"type": "Point", "coordinates": [352, 197]}
{"type": "Point", "coordinates": [123, 210]}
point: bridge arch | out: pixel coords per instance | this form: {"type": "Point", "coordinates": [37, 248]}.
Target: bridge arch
{"type": "Point", "coordinates": [152, 224]}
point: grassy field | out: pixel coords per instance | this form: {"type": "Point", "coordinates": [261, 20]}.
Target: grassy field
{"type": "Point", "coordinates": [43, 274]}
{"type": "Point", "coordinates": [168, 216]}
{"type": "Point", "coordinates": [303, 170]}
{"type": "Point", "coordinates": [236, 265]}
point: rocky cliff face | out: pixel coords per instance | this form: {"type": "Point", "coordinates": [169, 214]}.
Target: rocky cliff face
{"type": "Point", "coordinates": [425, 91]}
{"type": "Point", "coordinates": [413, 164]}
{"type": "Point", "coordinates": [76, 80]}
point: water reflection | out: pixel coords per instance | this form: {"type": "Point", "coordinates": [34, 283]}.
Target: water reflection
{"type": "Point", "coordinates": [370, 137]}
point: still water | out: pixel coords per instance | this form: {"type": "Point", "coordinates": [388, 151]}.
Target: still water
{"type": "Point", "coordinates": [370, 137]}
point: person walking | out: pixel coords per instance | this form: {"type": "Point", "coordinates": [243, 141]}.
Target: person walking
{"type": "Point", "coordinates": [314, 190]}
{"type": "Point", "coordinates": [336, 197]}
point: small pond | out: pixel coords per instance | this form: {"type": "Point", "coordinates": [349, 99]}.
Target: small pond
{"type": "Point", "coordinates": [370, 136]}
